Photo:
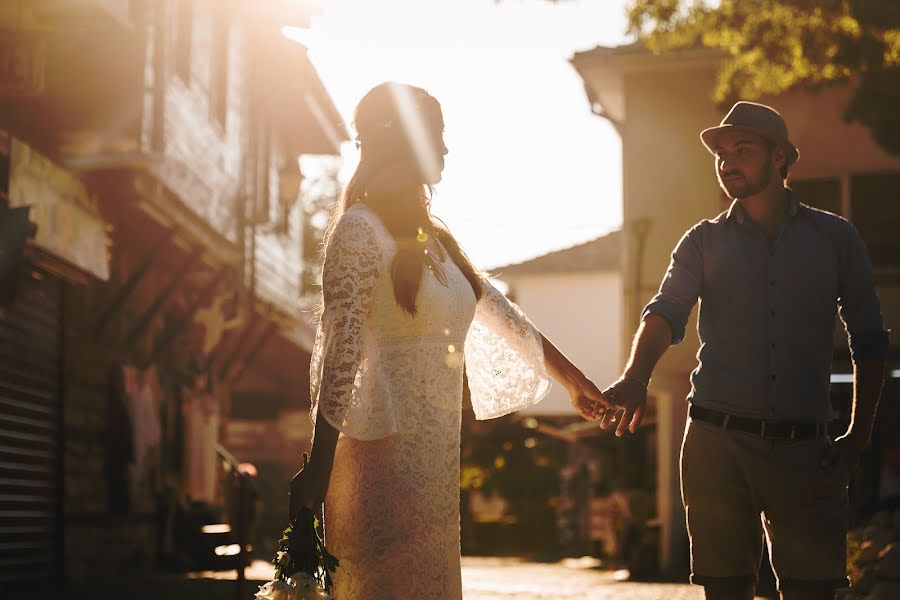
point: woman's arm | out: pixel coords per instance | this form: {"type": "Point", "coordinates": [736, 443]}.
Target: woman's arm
{"type": "Point", "coordinates": [353, 263]}
{"type": "Point", "coordinates": [310, 484]}
{"type": "Point", "coordinates": [584, 395]}
{"type": "Point", "coordinates": [510, 363]}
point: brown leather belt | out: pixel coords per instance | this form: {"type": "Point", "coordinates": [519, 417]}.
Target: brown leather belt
{"type": "Point", "coordinates": [770, 429]}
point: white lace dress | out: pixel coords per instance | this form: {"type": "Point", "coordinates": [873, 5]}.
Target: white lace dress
{"type": "Point", "coordinates": [392, 385]}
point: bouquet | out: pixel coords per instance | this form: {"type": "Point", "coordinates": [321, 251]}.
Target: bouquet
{"type": "Point", "coordinates": [303, 565]}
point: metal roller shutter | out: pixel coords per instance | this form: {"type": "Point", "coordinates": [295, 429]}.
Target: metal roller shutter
{"type": "Point", "coordinates": [29, 431]}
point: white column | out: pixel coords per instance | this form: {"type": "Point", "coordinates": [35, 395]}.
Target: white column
{"type": "Point", "coordinates": [670, 391]}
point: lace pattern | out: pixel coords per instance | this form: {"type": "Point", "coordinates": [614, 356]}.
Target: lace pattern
{"type": "Point", "coordinates": [368, 356]}
{"type": "Point", "coordinates": [354, 261]}
{"type": "Point", "coordinates": [393, 386]}
{"type": "Point", "coordinates": [504, 358]}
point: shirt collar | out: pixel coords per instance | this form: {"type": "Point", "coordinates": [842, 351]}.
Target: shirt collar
{"type": "Point", "coordinates": [736, 210]}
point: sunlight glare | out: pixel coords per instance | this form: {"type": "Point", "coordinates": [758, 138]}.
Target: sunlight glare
{"type": "Point", "coordinates": [415, 128]}
{"type": "Point", "coordinates": [518, 125]}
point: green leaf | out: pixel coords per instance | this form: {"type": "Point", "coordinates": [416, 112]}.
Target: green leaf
{"type": "Point", "coordinates": [301, 549]}
{"type": "Point", "coordinates": [773, 46]}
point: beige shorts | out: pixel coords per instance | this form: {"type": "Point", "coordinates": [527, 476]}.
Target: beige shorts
{"type": "Point", "coordinates": [735, 486]}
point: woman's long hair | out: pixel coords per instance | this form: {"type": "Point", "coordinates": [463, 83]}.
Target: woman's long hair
{"type": "Point", "coordinates": [400, 129]}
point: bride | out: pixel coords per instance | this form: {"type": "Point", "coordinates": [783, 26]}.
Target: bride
{"type": "Point", "coordinates": [404, 309]}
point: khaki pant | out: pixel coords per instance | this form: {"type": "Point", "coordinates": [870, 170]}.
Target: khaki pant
{"type": "Point", "coordinates": [737, 485]}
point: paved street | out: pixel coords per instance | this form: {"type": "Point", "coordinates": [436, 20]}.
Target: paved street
{"type": "Point", "coordinates": [510, 578]}
{"type": "Point", "coordinates": [490, 578]}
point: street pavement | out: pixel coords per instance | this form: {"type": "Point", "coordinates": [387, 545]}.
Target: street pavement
{"type": "Point", "coordinates": [492, 578]}
{"type": "Point", "coordinates": [570, 579]}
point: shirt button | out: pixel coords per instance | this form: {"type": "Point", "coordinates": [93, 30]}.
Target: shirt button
{"type": "Point", "coordinates": [771, 282]}
{"type": "Point", "coordinates": [773, 345]}
{"type": "Point", "coordinates": [773, 376]}
{"type": "Point", "coordinates": [772, 312]}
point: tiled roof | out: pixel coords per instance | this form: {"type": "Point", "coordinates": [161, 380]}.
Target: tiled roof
{"type": "Point", "coordinates": [600, 254]}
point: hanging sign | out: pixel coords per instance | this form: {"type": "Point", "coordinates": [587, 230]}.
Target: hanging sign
{"type": "Point", "coordinates": [69, 224]}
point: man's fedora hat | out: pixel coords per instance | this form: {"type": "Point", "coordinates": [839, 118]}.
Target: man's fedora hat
{"type": "Point", "coordinates": [756, 118]}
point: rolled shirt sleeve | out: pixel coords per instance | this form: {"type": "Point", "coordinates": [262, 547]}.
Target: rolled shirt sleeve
{"type": "Point", "coordinates": [858, 304]}
{"type": "Point", "coordinates": [680, 287]}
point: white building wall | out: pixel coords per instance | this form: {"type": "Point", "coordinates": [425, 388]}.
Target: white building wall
{"type": "Point", "coordinates": [581, 313]}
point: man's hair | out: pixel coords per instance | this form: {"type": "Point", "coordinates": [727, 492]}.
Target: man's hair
{"type": "Point", "coordinates": [770, 146]}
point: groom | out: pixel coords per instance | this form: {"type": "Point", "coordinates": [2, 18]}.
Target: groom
{"type": "Point", "coordinates": [771, 273]}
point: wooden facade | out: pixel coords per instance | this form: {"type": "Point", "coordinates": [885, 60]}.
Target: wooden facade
{"type": "Point", "coordinates": [183, 121]}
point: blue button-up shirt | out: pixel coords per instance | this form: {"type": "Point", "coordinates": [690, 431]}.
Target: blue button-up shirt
{"type": "Point", "coordinates": [767, 310]}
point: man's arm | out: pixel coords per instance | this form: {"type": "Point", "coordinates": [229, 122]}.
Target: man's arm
{"type": "Point", "coordinates": [662, 324]}
{"type": "Point", "coordinates": [653, 338]}
{"type": "Point", "coordinates": [860, 310]}
{"type": "Point", "coordinates": [868, 380]}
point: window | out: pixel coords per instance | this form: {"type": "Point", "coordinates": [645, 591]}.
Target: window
{"type": "Point", "coordinates": [820, 193]}
{"type": "Point", "coordinates": [874, 208]}
{"type": "Point", "coordinates": [184, 21]}
{"type": "Point", "coordinates": [263, 178]}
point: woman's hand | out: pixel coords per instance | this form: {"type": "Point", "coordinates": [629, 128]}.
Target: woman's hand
{"type": "Point", "coordinates": [584, 395]}
{"type": "Point", "coordinates": [308, 488]}
{"type": "Point", "coordinates": [588, 400]}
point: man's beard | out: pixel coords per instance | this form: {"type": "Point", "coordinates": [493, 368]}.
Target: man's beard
{"type": "Point", "coordinates": [745, 187]}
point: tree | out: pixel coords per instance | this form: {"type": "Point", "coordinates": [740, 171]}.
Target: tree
{"type": "Point", "coordinates": [771, 46]}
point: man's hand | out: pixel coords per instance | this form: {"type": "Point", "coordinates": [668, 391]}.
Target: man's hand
{"type": "Point", "coordinates": [589, 401]}
{"type": "Point", "coordinates": [308, 488]}
{"type": "Point", "coordinates": [848, 447]}
{"type": "Point", "coordinates": [629, 397]}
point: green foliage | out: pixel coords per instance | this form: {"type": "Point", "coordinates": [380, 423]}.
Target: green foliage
{"type": "Point", "coordinates": [771, 46]}
{"type": "Point", "coordinates": [301, 549]}
{"type": "Point", "coordinates": [499, 456]}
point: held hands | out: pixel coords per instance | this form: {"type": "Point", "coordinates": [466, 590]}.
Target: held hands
{"type": "Point", "coordinates": [308, 488]}
{"type": "Point", "coordinates": [588, 400]}
{"type": "Point", "coordinates": [628, 397]}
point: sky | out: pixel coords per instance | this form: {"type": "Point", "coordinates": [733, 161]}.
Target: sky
{"type": "Point", "coordinates": [530, 169]}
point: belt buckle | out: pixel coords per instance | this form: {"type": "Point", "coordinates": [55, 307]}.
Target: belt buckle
{"type": "Point", "coordinates": [793, 431]}
{"type": "Point", "coordinates": [762, 427]}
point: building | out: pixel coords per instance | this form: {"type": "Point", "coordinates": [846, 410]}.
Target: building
{"type": "Point", "coordinates": [669, 185]}
{"type": "Point", "coordinates": [155, 144]}
{"type": "Point", "coordinates": [574, 296]}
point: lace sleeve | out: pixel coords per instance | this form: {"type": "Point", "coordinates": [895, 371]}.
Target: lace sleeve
{"type": "Point", "coordinates": [353, 264]}
{"type": "Point", "coordinates": [504, 357]}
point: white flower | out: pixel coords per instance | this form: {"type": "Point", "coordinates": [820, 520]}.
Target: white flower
{"type": "Point", "coordinates": [315, 594]}
{"type": "Point", "coordinates": [307, 588]}
{"type": "Point", "coordinates": [302, 581]}
{"type": "Point", "coordinates": [276, 590]}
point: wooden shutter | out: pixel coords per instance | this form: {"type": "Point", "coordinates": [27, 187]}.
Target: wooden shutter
{"type": "Point", "coordinates": [29, 431]}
